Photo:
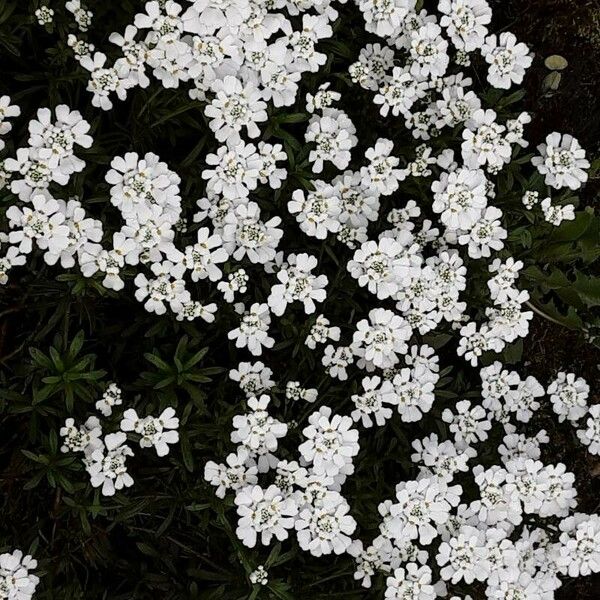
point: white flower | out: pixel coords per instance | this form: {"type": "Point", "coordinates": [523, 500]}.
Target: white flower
{"type": "Point", "coordinates": [221, 13]}
{"type": "Point", "coordinates": [320, 332]}
{"type": "Point", "coordinates": [485, 142]}
{"type": "Point", "coordinates": [155, 431]}
{"type": "Point", "coordinates": [54, 140]}
{"type": "Point", "coordinates": [428, 52]}
{"type": "Point", "coordinates": [469, 425]}
{"type": "Point", "coordinates": [326, 527]}
{"type": "Point", "coordinates": [518, 446]}
{"type": "Point", "coordinates": [82, 230]}
{"type": "Point", "coordinates": [303, 42]}
{"type": "Point", "coordinates": [359, 204]}
{"type": "Point", "coordinates": [264, 512]}
{"type": "Point", "coordinates": [414, 393]}
{"type": "Point", "coordinates": [509, 322]}
{"type": "Point", "coordinates": [419, 504]}
{"type": "Point", "coordinates": [456, 106]}
{"type": "Point", "coordinates": [372, 402]}
{"type": "Point", "coordinates": [383, 18]}
{"type": "Point", "coordinates": [44, 15]}
{"type": "Point", "coordinates": [399, 93]}
{"type": "Point", "coordinates": [486, 234]}
{"type": "Point", "coordinates": [244, 234]}
{"type": "Point", "coordinates": [333, 135]}
{"type": "Point", "coordinates": [317, 213]}
{"type": "Point", "coordinates": [103, 81]}
{"type": "Point", "coordinates": [80, 48]}
{"type": "Point", "coordinates": [579, 553]}
{"type": "Point", "coordinates": [516, 130]}
{"type": "Point", "coordinates": [323, 98]}
{"type": "Point", "coordinates": [555, 215]}
{"type": "Point", "coordinates": [236, 170]}
{"type": "Point", "coordinates": [258, 432]}
{"type": "Point", "coordinates": [93, 259]}
{"type": "Point", "coordinates": [16, 583]}
{"type": "Point", "coordinates": [44, 223]}
{"type": "Point", "coordinates": [166, 288]}
{"type": "Point", "coordinates": [382, 173]}
{"type": "Point", "coordinates": [498, 502]}
{"type": "Point", "coordinates": [465, 22]}
{"type": "Point", "coordinates": [36, 174]}
{"type": "Point", "coordinates": [374, 61]}
{"type": "Point", "coordinates": [474, 342]}
{"type": "Point", "coordinates": [382, 266]}
{"type": "Point", "coordinates": [141, 185]}
{"type": "Point", "coordinates": [414, 583]}
{"type": "Point", "coordinates": [253, 378]}
{"type": "Point", "coordinates": [330, 443]}
{"type": "Point", "coordinates": [523, 400]}
{"type": "Point", "coordinates": [530, 479]}
{"type": "Point", "coordinates": [590, 436]}
{"type": "Point", "coordinates": [107, 466]}
{"type": "Point", "coordinates": [464, 556]}
{"type": "Point", "coordinates": [202, 258]}
{"type": "Point", "coordinates": [297, 283]}
{"type": "Point", "coordinates": [294, 391]}
{"type": "Point", "coordinates": [562, 160]}
{"type": "Point", "coordinates": [569, 395]}
{"type": "Point", "coordinates": [259, 576]}
{"type": "Point", "coordinates": [235, 106]}
{"type": "Point", "coordinates": [379, 340]}
{"type": "Point", "coordinates": [193, 309]}
{"type": "Point", "coordinates": [460, 197]}
{"type": "Point", "coordinates": [530, 199]}
{"type": "Point", "coordinates": [85, 438]}
{"type": "Point", "coordinates": [443, 461]}
{"type": "Point", "coordinates": [278, 75]}
{"type": "Point", "coordinates": [7, 111]}
{"type": "Point", "coordinates": [11, 259]}
{"type": "Point", "coordinates": [111, 397]}
{"type": "Point", "coordinates": [508, 59]}
{"type": "Point", "coordinates": [237, 281]}
{"type": "Point", "coordinates": [506, 274]}
{"type": "Point", "coordinates": [368, 562]}
{"type": "Point", "coordinates": [83, 17]}
{"type": "Point", "coordinates": [238, 472]}
{"type": "Point", "coordinates": [269, 172]}
{"type": "Point", "coordinates": [560, 496]}
{"type": "Point", "coordinates": [253, 329]}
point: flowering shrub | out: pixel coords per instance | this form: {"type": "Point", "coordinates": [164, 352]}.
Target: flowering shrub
{"type": "Point", "coordinates": [283, 256]}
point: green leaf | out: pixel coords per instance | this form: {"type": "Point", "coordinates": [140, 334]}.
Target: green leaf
{"type": "Point", "coordinates": [186, 452]}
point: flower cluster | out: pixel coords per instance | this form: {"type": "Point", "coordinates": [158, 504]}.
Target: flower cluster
{"type": "Point", "coordinates": [417, 260]}
{"type": "Point", "coordinates": [423, 273]}
{"type": "Point", "coordinates": [105, 458]}
{"type": "Point", "coordinates": [15, 580]}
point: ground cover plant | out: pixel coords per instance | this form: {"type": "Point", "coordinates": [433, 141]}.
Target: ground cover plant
{"type": "Point", "coordinates": [298, 297]}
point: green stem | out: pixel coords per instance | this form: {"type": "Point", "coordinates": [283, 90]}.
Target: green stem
{"type": "Point", "coordinates": [541, 313]}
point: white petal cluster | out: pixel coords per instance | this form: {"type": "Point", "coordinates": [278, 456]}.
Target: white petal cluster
{"type": "Point", "coordinates": [7, 111]}
{"type": "Point", "coordinates": [16, 581]}
{"type": "Point", "coordinates": [105, 458]}
{"type": "Point", "coordinates": [158, 432]}
{"type": "Point", "coordinates": [562, 161]}
{"type": "Point", "coordinates": [257, 432]}
{"type": "Point", "coordinates": [590, 434]}
{"type": "Point", "coordinates": [568, 394]}
{"type": "Point", "coordinates": [507, 321]}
